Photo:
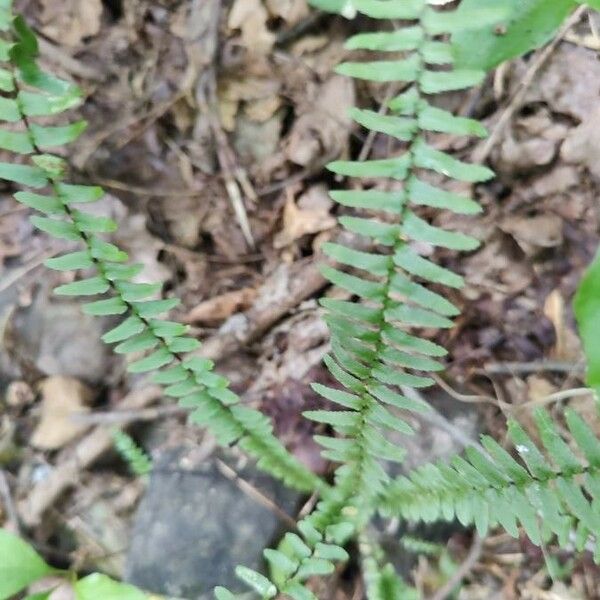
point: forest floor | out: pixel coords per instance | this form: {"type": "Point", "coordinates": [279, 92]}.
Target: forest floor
{"type": "Point", "coordinates": [210, 125]}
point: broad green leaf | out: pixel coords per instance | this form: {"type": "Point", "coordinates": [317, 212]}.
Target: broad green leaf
{"type": "Point", "coordinates": [101, 587]}
{"type": "Point", "coordinates": [526, 25]}
{"type": "Point", "coordinates": [20, 565]}
{"type": "Point", "coordinates": [295, 590]}
{"type": "Point", "coordinates": [438, 22]}
{"type": "Point", "coordinates": [587, 312]}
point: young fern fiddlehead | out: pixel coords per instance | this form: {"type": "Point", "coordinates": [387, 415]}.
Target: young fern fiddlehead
{"type": "Point", "coordinates": [29, 93]}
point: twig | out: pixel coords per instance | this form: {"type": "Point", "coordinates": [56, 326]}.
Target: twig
{"type": "Point", "coordinates": [556, 397]}
{"type": "Point", "coordinates": [9, 505]}
{"type": "Point", "coordinates": [536, 366]}
{"type": "Point", "coordinates": [68, 63]}
{"type": "Point", "coordinates": [254, 493]}
{"type": "Point", "coordinates": [436, 419]}
{"type": "Point", "coordinates": [481, 155]}
{"type": "Point", "coordinates": [463, 397]}
{"type": "Point", "coordinates": [126, 417]}
{"type": "Point", "coordinates": [143, 191]}
{"type": "Point", "coordinates": [465, 568]}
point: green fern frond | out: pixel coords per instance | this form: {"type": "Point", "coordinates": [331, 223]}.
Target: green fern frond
{"type": "Point", "coordinates": [135, 457]}
{"type": "Point", "coordinates": [550, 491]}
{"type": "Point", "coordinates": [107, 285]}
{"type": "Point", "coordinates": [382, 582]}
{"type": "Point", "coordinates": [374, 347]}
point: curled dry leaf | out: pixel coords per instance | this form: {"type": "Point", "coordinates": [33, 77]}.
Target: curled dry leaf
{"type": "Point", "coordinates": [311, 215]}
{"type": "Point", "coordinates": [250, 17]}
{"type": "Point", "coordinates": [62, 398]}
{"type": "Point", "coordinates": [531, 233]}
{"type": "Point", "coordinates": [70, 21]}
{"type": "Point", "coordinates": [221, 307]}
{"type": "Point", "coordinates": [291, 11]}
{"type": "Point", "coordinates": [323, 125]}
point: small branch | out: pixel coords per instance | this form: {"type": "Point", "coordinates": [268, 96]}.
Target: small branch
{"type": "Point", "coordinates": [465, 568]}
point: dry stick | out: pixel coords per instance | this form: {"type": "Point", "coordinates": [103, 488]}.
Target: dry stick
{"type": "Point", "coordinates": [7, 500]}
{"type": "Point", "coordinates": [69, 465]}
{"type": "Point", "coordinates": [254, 493]}
{"type": "Point", "coordinates": [522, 368]}
{"type": "Point", "coordinates": [465, 568]}
{"type": "Point", "coordinates": [519, 95]}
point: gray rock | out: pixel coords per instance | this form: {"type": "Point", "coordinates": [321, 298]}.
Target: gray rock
{"type": "Point", "coordinates": [61, 340]}
{"type": "Point", "coordinates": [194, 526]}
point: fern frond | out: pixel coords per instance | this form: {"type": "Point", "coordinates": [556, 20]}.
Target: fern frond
{"type": "Point", "coordinates": [374, 348]}
{"type": "Point", "coordinates": [551, 491]}
{"type": "Point", "coordinates": [382, 582]}
{"type": "Point", "coordinates": [135, 457]}
{"type": "Point", "coordinates": [108, 284]}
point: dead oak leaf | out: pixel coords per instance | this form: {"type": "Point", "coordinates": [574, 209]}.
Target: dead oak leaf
{"type": "Point", "coordinates": [62, 398]}
{"type": "Point", "coordinates": [250, 17]}
{"type": "Point", "coordinates": [310, 215]}
{"type": "Point", "coordinates": [221, 307]}
{"type": "Point", "coordinates": [70, 21]}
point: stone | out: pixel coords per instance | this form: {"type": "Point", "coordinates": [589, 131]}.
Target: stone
{"type": "Point", "coordinates": [194, 525]}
